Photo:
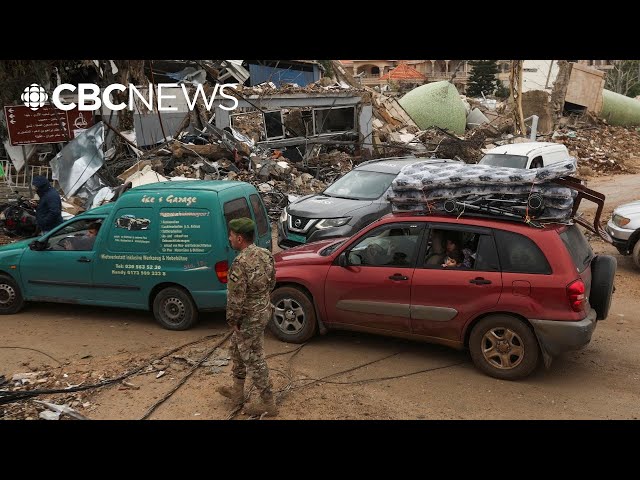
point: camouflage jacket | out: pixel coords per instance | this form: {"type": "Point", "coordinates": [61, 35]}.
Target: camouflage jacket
{"type": "Point", "coordinates": [252, 277]}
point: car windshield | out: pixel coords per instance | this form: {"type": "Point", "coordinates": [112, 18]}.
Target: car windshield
{"type": "Point", "coordinates": [504, 160]}
{"type": "Point", "coordinates": [361, 185]}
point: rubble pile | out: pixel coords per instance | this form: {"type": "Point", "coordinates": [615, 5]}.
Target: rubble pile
{"type": "Point", "coordinates": [48, 378]}
{"type": "Point", "coordinates": [38, 391]}
{"type": "Point", "coordinates": [233, 153]}
{"type": "Point", "coordinates": [602, 149]}
{"type": "Point", "coordinates": [291, 88]}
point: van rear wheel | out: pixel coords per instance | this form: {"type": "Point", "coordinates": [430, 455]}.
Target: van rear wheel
{"type": "Point", "coordinates": [174, 308]}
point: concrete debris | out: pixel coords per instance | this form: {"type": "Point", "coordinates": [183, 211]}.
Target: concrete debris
{"type": "Point", "coordinates": [433, 120]}
{"type": "Point", "coordinates": [476, 118]}
{"type": "Point", "coordinates": [61, 409]}
{"type": "Point", "coordinates": [49, 415]}
{"type": "Point", "coordinates": [604, 149]}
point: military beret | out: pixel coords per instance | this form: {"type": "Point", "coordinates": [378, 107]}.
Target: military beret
{"type": "Point", "coordinates": [242, 225]}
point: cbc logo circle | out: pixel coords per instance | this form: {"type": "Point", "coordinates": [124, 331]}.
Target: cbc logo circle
{"type": "Point", "coordinates": [34, 96]}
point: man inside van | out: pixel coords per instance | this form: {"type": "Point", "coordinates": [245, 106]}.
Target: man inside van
{"type": "Point", "coordinates": [83, 242]}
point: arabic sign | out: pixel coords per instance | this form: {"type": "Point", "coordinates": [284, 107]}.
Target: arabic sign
{"type": "Point", "coordinates": [45, 125]}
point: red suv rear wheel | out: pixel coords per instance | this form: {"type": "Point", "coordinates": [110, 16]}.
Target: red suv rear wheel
{"type": "Point", "coordinates": [504, 347]}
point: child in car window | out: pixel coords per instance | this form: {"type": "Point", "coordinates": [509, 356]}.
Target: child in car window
{"type": "Point", "coordinates": [454, 259]}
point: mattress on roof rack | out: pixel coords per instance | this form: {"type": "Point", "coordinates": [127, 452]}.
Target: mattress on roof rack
{"type": "Point", "coordinates": [484, 189]}
{"type": "Point", "coordinates": [425, 176]}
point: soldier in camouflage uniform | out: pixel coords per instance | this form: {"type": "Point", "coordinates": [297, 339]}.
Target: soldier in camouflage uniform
{"type": "Point", "coordinates": [252, 277]}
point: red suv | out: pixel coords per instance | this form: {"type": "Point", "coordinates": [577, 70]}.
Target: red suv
{"type": "Point", "coordinates": [517, 294]}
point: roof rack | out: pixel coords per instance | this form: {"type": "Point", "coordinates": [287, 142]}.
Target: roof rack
{"type": "Point", "coordinates": [460, 208]}
{"type": "Point", "coordinates": [587, 194]}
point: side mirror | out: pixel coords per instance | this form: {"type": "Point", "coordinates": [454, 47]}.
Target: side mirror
{"type": "Point", "coordinates": [342, 260]}
{"type": "Point", "coordinates": [37, 245]}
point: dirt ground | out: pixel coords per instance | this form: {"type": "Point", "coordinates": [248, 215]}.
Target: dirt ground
{"type": "Point", "coordinates": [66, 345]}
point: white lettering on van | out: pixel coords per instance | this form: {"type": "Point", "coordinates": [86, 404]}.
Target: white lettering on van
{"type": "Point", "coordinates": [146, 199]}
{"type": "Point", "coordinates": [186, 200]}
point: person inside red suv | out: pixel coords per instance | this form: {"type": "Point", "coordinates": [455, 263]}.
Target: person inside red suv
{"type": "Point", "coordinates": [529, 295]}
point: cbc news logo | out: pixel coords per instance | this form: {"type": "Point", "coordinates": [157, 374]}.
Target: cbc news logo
{"type": "Point", "coordinates": [34, 96]}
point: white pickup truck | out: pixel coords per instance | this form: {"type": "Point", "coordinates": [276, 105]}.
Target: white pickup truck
{"type": "Point", "coordinates": [624, 228]}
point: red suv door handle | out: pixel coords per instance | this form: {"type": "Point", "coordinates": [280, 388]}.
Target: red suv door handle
{"type": "Point", "coordinates": [397, 276]}
{"type": "Point", "coordinates": [480, 281]}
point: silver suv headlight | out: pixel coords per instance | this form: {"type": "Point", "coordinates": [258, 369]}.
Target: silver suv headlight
{"type": "Point", "coordinates": [332, 222]}
{"type": "Point", "coordinates": [284, 215]}
{"type": "Point", "coordinates": [619, 220]}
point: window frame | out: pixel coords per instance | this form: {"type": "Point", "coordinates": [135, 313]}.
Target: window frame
{"type": "Point", "coordinates": [454, 228]}
{"type": "Point", "coordinates": [259, 213]}
{"type": "Point", "coordinates": [387, 226]}
{"type": "Point", "coordinates": [503, 251]}
{"type": "Point", "coordinates": [224, 210]}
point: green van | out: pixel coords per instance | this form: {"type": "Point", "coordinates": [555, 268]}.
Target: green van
{"type": "Point", "coordinates": [161, 247]}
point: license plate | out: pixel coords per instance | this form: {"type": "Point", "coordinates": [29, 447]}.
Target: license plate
{"type": "Point", "coordinates": [296, 238]}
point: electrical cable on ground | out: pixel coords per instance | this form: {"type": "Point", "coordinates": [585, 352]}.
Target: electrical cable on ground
{"type": "Point", "coordinates": [35, 350]}
{"type": "Point", "coordinates": [8, 396]}
{"type": "Point", "coordinates": [186, 377]}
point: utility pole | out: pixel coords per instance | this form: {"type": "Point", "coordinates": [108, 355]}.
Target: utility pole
{"type": "Point", "coordinates": [515, 78]}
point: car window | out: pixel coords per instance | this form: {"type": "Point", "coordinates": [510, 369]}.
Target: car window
{"type": "Point", "coordinates": [519, 254]}
{"type": "Point", "coordinates": [538, 162]}
{"type": "Point", "coordinates": [392, 245]}
{"type": "Point", "coordinates": [73, 236]}
{"type": "Point", "coordinates": [504, 160]}
{"type": "Point", "coordinates": [361, 185]}
{"type": "Point", "coordinates": [578, 247]}
{"type": "Point", "coordinates": [460, 249]}
{"type": "Point", "coordinates": [237, 208]}
{"type": "Point", "coordinates": [258, 211]}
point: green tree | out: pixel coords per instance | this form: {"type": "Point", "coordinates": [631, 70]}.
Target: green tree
{"type": "Point", "coordinates": [624, 77]}
{"type": "Point", "coordinates": [502, 91]}
{"type": "Point", "coordinates": [483, 78]}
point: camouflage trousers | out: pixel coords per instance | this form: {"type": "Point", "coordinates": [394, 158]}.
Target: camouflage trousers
{"type": "Point", "coordinates": [247, 351]}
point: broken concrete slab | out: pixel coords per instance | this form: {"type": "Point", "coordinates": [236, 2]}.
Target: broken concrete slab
{"type": "Point", "coordinates": [476, 118]}
{"type": "Point", "coordinates": [145, 176]}
{"type": "Point", "coordinates": [537, 102]}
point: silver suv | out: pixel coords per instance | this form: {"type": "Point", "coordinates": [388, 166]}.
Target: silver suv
{"type": "Point", "coordinates": [624, 228]}
{"type": "Point", "coordinates": [347, 205]}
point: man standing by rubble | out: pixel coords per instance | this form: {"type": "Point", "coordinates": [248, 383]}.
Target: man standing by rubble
{"type": "Point", "coordinates": [252, 277]}
{"type": "Point", "coordinates": [49, 209]}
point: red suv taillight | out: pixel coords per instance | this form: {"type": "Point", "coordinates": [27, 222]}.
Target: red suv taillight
{"type": "Point", "coordinates": [575, 294]}
{"type": "Point", "coordinates": [222, 269]}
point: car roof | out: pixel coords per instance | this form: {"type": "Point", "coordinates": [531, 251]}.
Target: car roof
{"type": "Point", "coordinates": [526, 148]}
{"type": "Point", "coordinates": [210, 185]}
{"type": "Point", "coordinates": [395, 164]}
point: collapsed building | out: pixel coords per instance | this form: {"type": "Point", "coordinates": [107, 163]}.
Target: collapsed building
{"type": "Point", "coordinates": [296, 139]}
